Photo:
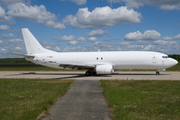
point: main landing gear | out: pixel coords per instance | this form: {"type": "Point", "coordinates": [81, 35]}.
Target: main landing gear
{"type": "Point", "coordinates": [90, 72]}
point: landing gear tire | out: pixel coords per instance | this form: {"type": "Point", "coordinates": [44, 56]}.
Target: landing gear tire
{"type": "Point", "coordinates": [88, 73]}
{"type": "Point", "coordinates": [157, 73]}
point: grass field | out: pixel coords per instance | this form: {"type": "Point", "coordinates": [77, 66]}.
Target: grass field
{"type": "Point", "coordinates": [23, 99]}
{"type": "Point", "coordinates": [145, 100]}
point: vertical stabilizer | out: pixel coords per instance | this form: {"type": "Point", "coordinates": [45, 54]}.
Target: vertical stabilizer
{"type": "Point", "coordinates": [32, 45]}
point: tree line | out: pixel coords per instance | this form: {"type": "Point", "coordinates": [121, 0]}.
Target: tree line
{"type": "Point", "coordinates": [175, 56]}
{"type": "Point", "coordinates": [14, 61]}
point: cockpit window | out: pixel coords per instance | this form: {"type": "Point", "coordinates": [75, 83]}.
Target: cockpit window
{"type": "Point", "coordinates": [164, 56]}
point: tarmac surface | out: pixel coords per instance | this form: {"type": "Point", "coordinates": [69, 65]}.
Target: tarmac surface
{"type": "Point", "coordinates": [83, 101]}
{"type": "Point", "coordinates": [81, 75]}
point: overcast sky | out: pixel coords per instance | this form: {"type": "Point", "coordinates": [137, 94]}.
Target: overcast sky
{"type": "Point", "coordinates": [91, 25]}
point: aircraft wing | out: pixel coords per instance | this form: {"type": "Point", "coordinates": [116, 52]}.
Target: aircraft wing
{"type": "Point", "coordinates": [77, 66]}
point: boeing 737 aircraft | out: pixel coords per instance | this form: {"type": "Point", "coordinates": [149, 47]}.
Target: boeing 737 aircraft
{"type": "Point", "coordinates": [94, 62]}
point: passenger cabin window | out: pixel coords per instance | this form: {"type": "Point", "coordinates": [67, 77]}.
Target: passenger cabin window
{"type": "Point", "coordinates": [164, 56]}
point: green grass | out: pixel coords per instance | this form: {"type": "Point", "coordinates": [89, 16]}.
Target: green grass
{"type": "Point", "coordinates": [134, 100]}
{"type": "Point", "coordinates": [25, 99]}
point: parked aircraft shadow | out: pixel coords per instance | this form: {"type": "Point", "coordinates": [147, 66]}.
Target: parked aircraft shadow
{"type": "Point", "coordinates": [72, 75]}
{"type": "Point", "coordinates": [76, 75]}
{"type": "Point", "coordinates": [34, 73]}
{"type": "Point", "coordinates": [82, 74]}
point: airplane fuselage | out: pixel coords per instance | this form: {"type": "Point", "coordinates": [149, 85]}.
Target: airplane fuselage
{"type": "Point", "coordinates": [118, 59]}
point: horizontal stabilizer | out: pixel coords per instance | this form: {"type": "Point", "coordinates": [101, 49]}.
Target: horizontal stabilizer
{"type": "Point", "coordinates": [21, 54]}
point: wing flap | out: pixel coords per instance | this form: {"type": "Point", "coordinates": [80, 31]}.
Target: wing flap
{"type": "Point", "coordinates": [76, 66]}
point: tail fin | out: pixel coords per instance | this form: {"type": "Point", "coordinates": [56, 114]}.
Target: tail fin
{"type": "Point", "coordinates": [31, 43]}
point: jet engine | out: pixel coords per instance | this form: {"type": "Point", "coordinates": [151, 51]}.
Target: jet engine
{"type": "Point", "coordinates": [104, 69]}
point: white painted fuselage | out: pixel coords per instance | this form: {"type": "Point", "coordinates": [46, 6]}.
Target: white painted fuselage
{"type": "Point", "coordinates": [119, 59]}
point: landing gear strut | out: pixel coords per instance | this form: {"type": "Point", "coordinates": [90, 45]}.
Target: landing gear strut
{"type": "Point", "coordinates": [157, 73]}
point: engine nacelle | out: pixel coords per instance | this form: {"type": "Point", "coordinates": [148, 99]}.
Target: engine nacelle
{"type": "Point", "coordinates": [104, 69]}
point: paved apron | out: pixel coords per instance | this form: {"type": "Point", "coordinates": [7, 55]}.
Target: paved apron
{"type": "Point", "coordinates": [143, 75]}
{"type": "Point", "coordinates": [83, 101]}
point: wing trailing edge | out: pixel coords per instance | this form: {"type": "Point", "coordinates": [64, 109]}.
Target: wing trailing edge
{"type": "Point", "coordinates": [76, 66]}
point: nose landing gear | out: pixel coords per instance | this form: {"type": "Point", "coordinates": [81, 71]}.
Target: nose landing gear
{"type": "Point", "coordinates": [157, 73]}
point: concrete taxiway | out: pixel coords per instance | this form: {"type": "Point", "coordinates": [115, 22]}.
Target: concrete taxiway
{"type": "Point", "coordinates": [81, 75]}
{"type": "Point", "coordinates": [83, 101]}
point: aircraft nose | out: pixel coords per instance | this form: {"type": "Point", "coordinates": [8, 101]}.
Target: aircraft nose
{"type": "Point", "coordinates": [174, 61]}
{"type": "Point", "coordinates": [171, 62]}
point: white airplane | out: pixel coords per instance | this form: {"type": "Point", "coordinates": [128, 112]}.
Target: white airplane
{"type": "Point", "coordinates": [94, 62]}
